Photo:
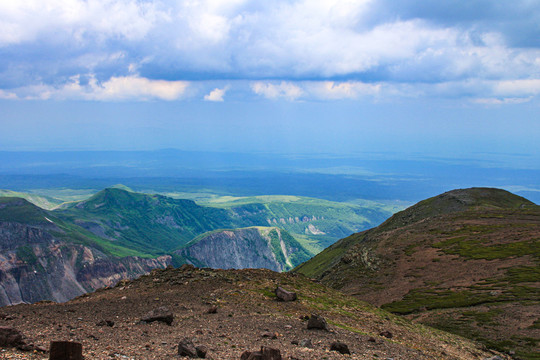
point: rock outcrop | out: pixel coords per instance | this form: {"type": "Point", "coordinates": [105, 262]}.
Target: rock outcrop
{"type": "Point", "coordinates": [256, 247]}
{"type": "Point", "coordinates": [39, 260]}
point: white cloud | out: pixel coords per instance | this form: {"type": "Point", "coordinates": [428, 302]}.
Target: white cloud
{"type": "Point", "coordinates": [518, 87]}
{"type": "Point", "coordinates": [503, 101]}
{"type": "Point", "coordinates": [332, 90]}
{"type": "Point", "coordinates": [23, 21]}
{"type": "Point", "coordinates": [216, 95]}
{"type": "Point", "coordinates": [7, 95]}
{"type": "Point", "coordinates": [304, 45]}
{"type": "Point", "coordinates": [115, 89]}
{"type": "Point", "coordinates": [286, 90]}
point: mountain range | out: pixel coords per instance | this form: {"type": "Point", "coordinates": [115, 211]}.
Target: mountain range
{"type": "Point", "coordinates": [117, 233]}
{"type": "Point", "coordinates": [466, 261]}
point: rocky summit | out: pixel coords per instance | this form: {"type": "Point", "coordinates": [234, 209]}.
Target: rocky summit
{"type": "Point", "coordinates": [466, 261]}
{"type": "Point", "coordinates": [225, 314]}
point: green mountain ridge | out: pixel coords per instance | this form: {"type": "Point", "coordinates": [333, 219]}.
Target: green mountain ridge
{"type": "Point", "coordinates": [152, 224]}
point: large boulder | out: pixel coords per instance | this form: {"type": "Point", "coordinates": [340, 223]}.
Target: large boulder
{"type": "Point", "coordinates": [284, 295]}
{"type": "Point", "coordinates": [161, 314]}
{"type": "Point", "coordinates": [317, 322]}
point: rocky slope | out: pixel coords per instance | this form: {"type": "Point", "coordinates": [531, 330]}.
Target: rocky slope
{"type": "Point", "coordinates": [41, 258]}
{"type": "Point", "coordinates": [244, 316]}
{"type": "Point", "coordinates": [255, 247]}
{"type": "Point", "coordinates": [467, 261]}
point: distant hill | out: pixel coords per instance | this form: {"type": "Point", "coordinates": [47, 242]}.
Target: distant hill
{"type": "Point", "coordinates": [151, 224]}
{"type": "Point", "coordinates": [466, 261]}
{"type": "Point", "coordinates": [45, 202]}
{"type": "Point", "coordinates": [256, 247]}
{"type": "Point", "coordinates": [316, 223]}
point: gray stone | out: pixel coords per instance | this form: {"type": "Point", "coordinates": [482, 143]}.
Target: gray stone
{"type": "Point", "coordinates": [317, 322]}
{"type": "Point", "coordinates": [161, 314]}
{"type": "Point", "coordinates": [306, 343]}
{"type": "Point", "coordinates": [201, 351]}
{"type": "Point", "coordinates": [186, 348]}
{"type": "Point", "coordinates": [266, 353]}
{"type": "Point", "coordinates": [340, 347]}
{"type": "Point", "coordinates": [284, 295]}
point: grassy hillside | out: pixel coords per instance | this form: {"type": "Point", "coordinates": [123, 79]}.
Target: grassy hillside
{"type": "Point", "coordinates": [21, 211]}
{"type": "Point", "coordinates": [316, 223]}
{"type": "Point", "coordinates": [16, 209]}
{"type": "Point", "coordinates": [148, 223]}
{"type": "Point", "coordinates": [44, 202]}
{"type": "Point", "coordinates": [466, 261]}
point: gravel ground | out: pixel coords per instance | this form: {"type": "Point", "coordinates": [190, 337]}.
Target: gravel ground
{"type": "Point", "coordinates": [248, 316]}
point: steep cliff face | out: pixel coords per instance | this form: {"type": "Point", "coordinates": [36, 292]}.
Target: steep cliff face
{"type": "Point", "coordinates": [39, 262]}
{"type": "Point", "coordinates": [256, 247]}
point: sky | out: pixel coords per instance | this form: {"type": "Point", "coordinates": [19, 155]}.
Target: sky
{"type": "Point", "coordinates": [432, 78]}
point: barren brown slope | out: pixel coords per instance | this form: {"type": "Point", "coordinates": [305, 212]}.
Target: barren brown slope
{"type": "Point", "coordinates": [246, 309]}
{"type": "Point", "coordinates": [467, 261]}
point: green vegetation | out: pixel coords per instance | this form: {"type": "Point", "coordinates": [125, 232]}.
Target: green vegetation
{"type": "Point", "coordinates": [429, 299]}
{"type": "Point", "coordinates": [320, 263]}
{"type": "Point", "coordinates": [44, 202]}
{"type": "Point", "coordinates": [329, 220]}
{"type": "Point", "coordinates": [21, 211]}
{"type": "Point", "coordinates": [472, 248]}
{"type": "Point", "coordinates": [26, 254]}
{"type": "Point", "coordinates": [151, 224]}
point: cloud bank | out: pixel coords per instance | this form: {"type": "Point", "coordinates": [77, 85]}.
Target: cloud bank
{"type": "Point", "coordinates": [304, 49]}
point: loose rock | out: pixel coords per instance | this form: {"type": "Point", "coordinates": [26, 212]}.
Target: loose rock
{"type": "Point", "coordinates": [268, 334]}
{"type": "Point", "coordinates": [340, 347]}
{"type": "Point", "coordinates": [10, 337]}
{"type": "Point", "coordinates": [386, 334]}
{"type": "Point", "coordinates": [162, 314]}
{"type": "Point", "coordinates": [105, 323]}
{"type": "Point", "coordinates": [317, 322]}
{"type": "Point", "coordinates": [201, 351]}
{"type": "Point", "coordinates": [306, 343]}
{"type": "Point", "coordinates": [186, 348]}
{"type": "Point", "coordinates": [284, 295]}
{"type": "Point", "coordinates": [266, 353]}
{"type": "Point", "coordinates": [65, 350]}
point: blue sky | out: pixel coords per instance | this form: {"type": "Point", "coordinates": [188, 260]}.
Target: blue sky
{"type": "Point", "coordinates": [432, 78]}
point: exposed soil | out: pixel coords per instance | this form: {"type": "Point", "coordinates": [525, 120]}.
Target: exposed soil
{"type": "Point", "coordinates": [246, 310]}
